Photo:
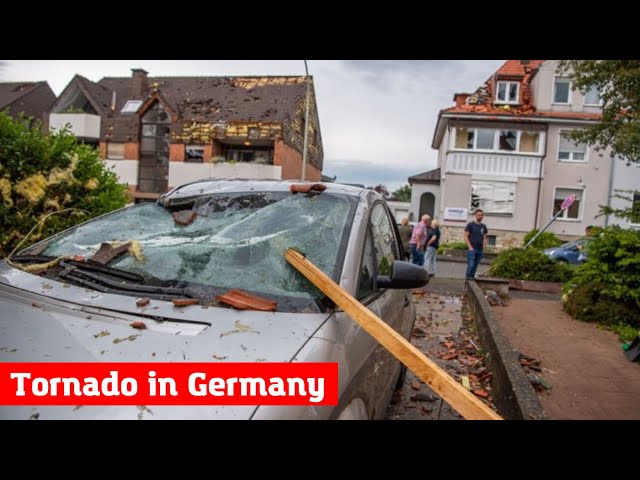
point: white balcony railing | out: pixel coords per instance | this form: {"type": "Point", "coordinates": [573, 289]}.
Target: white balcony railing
{"type": "Point", "coordinates": [493, 164]}
{"type": "Point", "coordinates": [82, 125]}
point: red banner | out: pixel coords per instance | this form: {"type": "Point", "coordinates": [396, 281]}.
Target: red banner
{"type": "Point", "coordinates": [169, 383]}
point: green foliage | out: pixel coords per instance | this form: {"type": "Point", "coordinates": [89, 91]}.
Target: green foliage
{"type": "Point", "coordinates": [403, 194]}
{"type": "Point", "coordinates": [625, 332]}
{"type": "Point", "coordinates": [452, 246]}
{"type": "Point", "coordinates": [619, 84]}
{"type": "Point", "coordinates": [589, 303]}
{"type": "Point", "coordinates": [384, 268]}
{"type": "Point", "coordinates": [632, 213]}
{"type": "Point", "coordinates": [40, 174]}
{"type": "Point", "coordinates": [545, 240]}
{"type": "Point", "coordinates": [613, 262]}
{"type": "Point", "coordinates": [529, 264]}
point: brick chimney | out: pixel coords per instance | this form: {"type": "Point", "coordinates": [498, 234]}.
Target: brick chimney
{"type": "Point", "coordinates": [139, 82]}
{"type": "Point", "coordinates": [460, 98]}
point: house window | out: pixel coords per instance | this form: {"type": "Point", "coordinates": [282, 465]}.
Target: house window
{"type": "Point", "coordinates": [491, 240]}
{"type": "Point", "coordinates": [493, 196]}
{"type": "Point", "coordinates": [561, 90]}
{"type": "Point", "coordinates": [131, 106]}
{"type": "Point", "coordinates": [570, 151]}
{"type": "Point", "coordinates": [115, 151]}
{"type": "Point", "coordinates": [529, 142]}
{"type": "Point", "coordinates": [507, 92]}
{"type": "Point", "coordinates": [250, 155]}
{"type": "Point", "coordinates": [573, 212]}
{"type": "Point", "coordinates": [508, 140]}
{"type": "Point", "coordinates": [592, 97]}
{"type": "Point", "coordinates": [194, 154]}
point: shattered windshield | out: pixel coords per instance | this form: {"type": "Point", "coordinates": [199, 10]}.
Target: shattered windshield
{"type": "Point", "coordinates": [235, 240]}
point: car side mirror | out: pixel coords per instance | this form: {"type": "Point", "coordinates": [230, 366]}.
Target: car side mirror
{"type": "Point", "coordinates": [403, 275]}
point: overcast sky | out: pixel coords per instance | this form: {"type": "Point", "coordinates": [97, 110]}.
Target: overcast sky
{"type": "Point", "coordinates": [376, 116]}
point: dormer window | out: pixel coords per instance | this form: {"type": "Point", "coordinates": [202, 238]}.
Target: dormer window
{"type": "Point", "coordinates": [507, 92]}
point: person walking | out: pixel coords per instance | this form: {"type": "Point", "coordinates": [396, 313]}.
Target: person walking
{"type": "Point", "coordinates": [433, 242]}
{"type": "Point", "coordinates": [418, 240]}
{"type": "Point", "coordinates": [405, 236]}
{"type": "Point", "coordinates": [475, 236]}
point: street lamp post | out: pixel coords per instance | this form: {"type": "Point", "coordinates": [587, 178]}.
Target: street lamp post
{"type": "Point", "coordinates": [306, 126]}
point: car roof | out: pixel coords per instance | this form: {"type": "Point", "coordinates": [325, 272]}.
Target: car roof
{"type": "Point", "coordinates": [210, 186]}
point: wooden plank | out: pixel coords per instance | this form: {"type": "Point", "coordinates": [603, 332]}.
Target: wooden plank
{"type": "Point", "coordinates": [463, 401]}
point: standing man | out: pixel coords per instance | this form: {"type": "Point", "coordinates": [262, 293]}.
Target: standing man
{"type": "Point", "coordinates": [433, 242]}
{"type": "Point", "coordinates": [475, 236]}
{"type": "Point", "coordinates": [418, 240]}
{"type": "Point", "coordinates": [405, 235]}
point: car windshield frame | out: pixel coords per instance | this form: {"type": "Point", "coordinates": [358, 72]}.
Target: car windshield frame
{"type": "Point", "coordinates": [299, 290]}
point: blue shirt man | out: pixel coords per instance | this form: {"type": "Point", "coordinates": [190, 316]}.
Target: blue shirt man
{"type": "Point", "coordinates": [475, 236]}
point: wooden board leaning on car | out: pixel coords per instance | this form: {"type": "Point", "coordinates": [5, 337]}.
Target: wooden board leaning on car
{"type": "Point", "coordinates": [463, 401]}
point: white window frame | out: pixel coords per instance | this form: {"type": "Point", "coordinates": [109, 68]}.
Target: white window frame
{"type": "Point", "coordinates": [571, 160]}
{"type": "Point", "coordinates": [511, 182]}
{"type": "Point", "coordinates": [117, 157]}
{"type": "Point", "coordinates": [562, 217]}
{"type": "Point", "coordinates": [553, 93]}
{"type": "Point", "coordinates": [507, 101]}
{"type": "Point", "coordinates": [199, 147]}
{"type": "Point", "coordinates": [128, 104]}
{"type": "Point", "coordinates": [496, 142]}
{"type": "Point", "coordinates": [599, 104]}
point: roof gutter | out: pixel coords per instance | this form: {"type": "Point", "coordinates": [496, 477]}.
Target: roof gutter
{"type": "Point", "coordinates": [435, 141]}
{"type": "Point", "coordinates": [511, 118]}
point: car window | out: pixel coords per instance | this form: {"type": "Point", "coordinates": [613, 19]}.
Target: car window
{"type": "Point", "coordinates": [366, 282]}
{"type": "Point", "coordinates": [237, 240]}
{"type": "Point", "coordinates": [384, 239]}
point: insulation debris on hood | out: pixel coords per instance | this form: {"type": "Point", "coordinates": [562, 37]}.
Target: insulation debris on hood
{"type": "Point", "coordinates": [245, 301]}
{"type": "Point", "coordinates": [307, 187]}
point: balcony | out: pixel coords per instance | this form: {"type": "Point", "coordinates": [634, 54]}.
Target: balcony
{"type": "Point", "coordinates": [496, 164]}
{"type": "Point", "coordinates": [180, 173]}
{"type": "Point", "coordinates": [82, 125]}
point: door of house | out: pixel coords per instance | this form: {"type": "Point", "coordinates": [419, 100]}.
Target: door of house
{"type": "Point", "coordinates": [427, 204]}
{"type": "Point", "coordinates": [153, 169]}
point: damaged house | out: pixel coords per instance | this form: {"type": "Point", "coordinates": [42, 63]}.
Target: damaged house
{"type": "Point", "coordinates": [32, 99]}
{"type": "Point", "coordinates": [504, 149]}
{"type": "Point", "coordinates": [161, 132]}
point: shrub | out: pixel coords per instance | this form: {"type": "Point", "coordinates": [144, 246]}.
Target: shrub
{"type": "Point", "coordinates": [452, 246]}
{"type": "Point", "coordinates": [529, 264]}
{"type": "Point", "coordinates": [589, 304]}
{"type": "Point", "coordinates": [42, 173]}
{"type": "Point", "coordinates": [545, 240]}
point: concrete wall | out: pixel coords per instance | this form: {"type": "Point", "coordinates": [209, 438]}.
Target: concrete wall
{"type": "Point", "coordinates": [592, 176]}
{"type": "Point", "coordinates": [542, 88]}
{"type": "Point", "coordinates": [624, 178]}
{"type": "Point", "coordinates": [399, 209]}
{"type": "Point", "coordinates": [81, 124]}
{"type": "Point", "coordinates": [126, 170]}
{"type": "Point", "coordinates": [180, 173]}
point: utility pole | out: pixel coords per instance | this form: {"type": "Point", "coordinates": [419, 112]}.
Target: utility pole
{"type": "Point", "coordinates": [306, 126]}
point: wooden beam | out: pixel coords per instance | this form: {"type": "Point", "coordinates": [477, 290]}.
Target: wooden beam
{"type": "Point", "coordinates": [463, 401]}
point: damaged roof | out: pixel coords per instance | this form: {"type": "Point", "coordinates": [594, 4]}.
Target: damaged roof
{"type": "Point", "coordinates": [215, 99]}
{"type": "Point", "coordinates": [12, 91]}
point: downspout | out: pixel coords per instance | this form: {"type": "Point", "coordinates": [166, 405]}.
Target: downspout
{"type": "Point", "coordinates": [546, 143]}
{"type": "Point", "coordinates": [612, 171]}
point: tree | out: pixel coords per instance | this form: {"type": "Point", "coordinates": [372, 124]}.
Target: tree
{"type": "Point", "coordinates": [49, 174]}
{"type": "Point", "coordinates": [403, 194]}
{"type": "Point", "coordinates": [619, 84]}
{"type": "Point", "coordinates": [382, 190]}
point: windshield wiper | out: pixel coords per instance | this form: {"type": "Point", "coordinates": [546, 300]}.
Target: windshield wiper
{"type": "Point", "coordinates": [116, 272]}
{"type": "Point", "coordinates": [104, 284]}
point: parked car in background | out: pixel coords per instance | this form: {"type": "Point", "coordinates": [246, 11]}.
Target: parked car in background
{"type": "Point", "coordinates": [233, 236]}
{"type": "Point", "coordinates": [572, 252]}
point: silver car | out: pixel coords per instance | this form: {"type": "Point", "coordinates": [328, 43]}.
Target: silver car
{"type": "Point", "coordinates": [78, 311]}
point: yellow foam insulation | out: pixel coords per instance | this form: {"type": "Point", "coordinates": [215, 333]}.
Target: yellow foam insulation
{"type": "Point", "coordinates": [5, 192]}
{"type": "Point", "coordinates": [135, 249]}
{"type": "Point", "coordinates": [32, 188]}
{"type": "Point", "coordinates": [64, 175]}
{"type": "Point", "coordinates": [252, 82]}
{"type": "Point", "coordinates": [92, 184]}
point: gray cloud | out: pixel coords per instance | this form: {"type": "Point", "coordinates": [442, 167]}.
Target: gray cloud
{"type": "Point", "coordinates": [377, 116]}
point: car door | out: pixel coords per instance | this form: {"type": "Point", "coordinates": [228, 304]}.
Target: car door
{"type": "Point", "coordinates": [381, 249]}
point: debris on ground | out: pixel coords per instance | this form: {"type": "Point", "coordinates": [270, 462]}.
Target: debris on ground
{"type": "Point", "coordinates": [131, 338]}
{"type": "Point", "coordinates": [531, 365]}
{"type": "Point", "coordinates": [184, 302]}
{"type": "Point", "coordinates": [240, 328]}
{"type": "Point", "coordinates": [103, 333]}
{"type": "Point", "coordinates": [493, 298]}
{"type": "Point", "coordinates": [138, 325]}
{"type": "Point", "coordinates": [307, 187]}
{"type": "Point", "coordinates": [244, 301]}
{"type": "Point", "coordinates": [142, 302]}
{"type": "Point", "coordinates": [184, 217]}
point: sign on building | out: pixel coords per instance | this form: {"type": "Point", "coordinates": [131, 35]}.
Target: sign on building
{"type": "Point", "coordinates": [455, 214]}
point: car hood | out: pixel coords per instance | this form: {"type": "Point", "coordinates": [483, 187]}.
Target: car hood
{"type": "Point", "coordinates": [42, 320]}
